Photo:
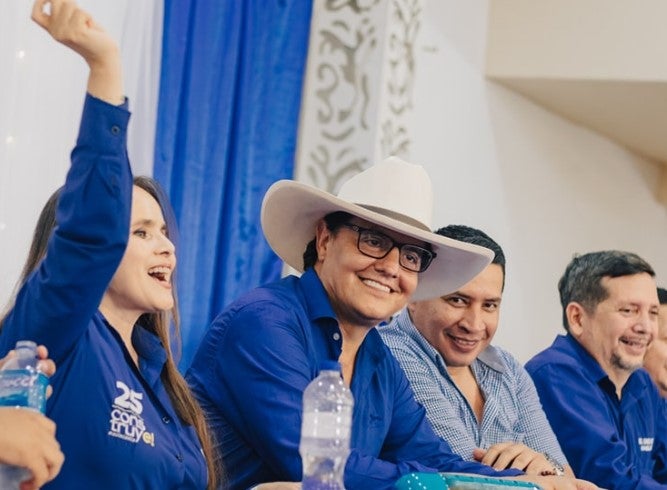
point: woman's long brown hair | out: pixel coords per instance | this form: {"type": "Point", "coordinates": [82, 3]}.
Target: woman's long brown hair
{"type": "Point", "coordinates": [184, 402]}
{"type": "Point", "coordinates": [159, 323]}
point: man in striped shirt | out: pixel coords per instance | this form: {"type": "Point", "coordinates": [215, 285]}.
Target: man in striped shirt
{"type": "Point", "coordinates": [477, 396]}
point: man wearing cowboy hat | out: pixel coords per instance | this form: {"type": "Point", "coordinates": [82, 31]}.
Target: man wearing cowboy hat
{"type": "Point", "coordinates": [368, 251]}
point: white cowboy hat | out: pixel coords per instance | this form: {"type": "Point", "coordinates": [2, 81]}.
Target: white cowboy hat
{"type": "Point", "coordinates": [392, 194]}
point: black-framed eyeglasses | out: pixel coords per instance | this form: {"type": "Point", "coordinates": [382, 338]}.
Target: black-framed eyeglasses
{"type": "Point", "coordinates": [376, 244]}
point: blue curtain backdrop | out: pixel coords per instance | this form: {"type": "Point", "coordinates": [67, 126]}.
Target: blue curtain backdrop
{"type": "Point", "coordinates": [230, 92]}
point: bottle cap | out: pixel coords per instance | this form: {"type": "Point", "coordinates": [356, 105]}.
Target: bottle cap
{"type": "Point", "coordinates": [330, 365]}
{"type": "Point", "coordinates": [25, 344]}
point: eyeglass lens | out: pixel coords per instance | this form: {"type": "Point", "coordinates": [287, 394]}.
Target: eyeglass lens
{"type": "Point", "coordinates": [378, 245]}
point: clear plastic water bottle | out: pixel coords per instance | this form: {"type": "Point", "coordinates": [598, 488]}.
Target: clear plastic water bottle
{"type": "Point", "coordinates": [325, 429]}
{"type": "Point", "coordinates": [21, 385]}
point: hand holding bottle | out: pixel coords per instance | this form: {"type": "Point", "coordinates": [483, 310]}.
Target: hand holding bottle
{"type": "Point", "coordinates": [29, 452]}
{"type": "Point", "coordinates": [27, 440]}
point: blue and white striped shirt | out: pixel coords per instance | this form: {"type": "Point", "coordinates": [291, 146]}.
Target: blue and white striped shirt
{"type": "Point", "coordinates": [512, 410]}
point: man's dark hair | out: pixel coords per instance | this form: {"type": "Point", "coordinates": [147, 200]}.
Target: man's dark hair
{"type": "Point", "coordinates": [333, 221]}
{"type": "Point", "coordinates": [582, 279]}
{"type": "Point", "coordinates": [472, 235]}
{"type": "Point", "coordinates": [662, 296]}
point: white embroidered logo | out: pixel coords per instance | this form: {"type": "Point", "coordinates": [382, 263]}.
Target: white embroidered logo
{"type": "Point", "coordinates": [126, 422]}
{"type": "Point", "coordinates": [645, 444]}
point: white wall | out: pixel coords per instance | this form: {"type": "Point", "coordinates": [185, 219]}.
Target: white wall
{"type": "Point", "coordinates": [542, 187]}
{"type": "Point", "coordinates": [41, 95]}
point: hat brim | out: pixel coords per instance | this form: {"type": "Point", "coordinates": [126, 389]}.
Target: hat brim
{"type": "Point", "coordinates": [291, 210]}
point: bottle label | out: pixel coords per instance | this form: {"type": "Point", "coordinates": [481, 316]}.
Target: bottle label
{"type": "Point", "coordinates": [23, 388]}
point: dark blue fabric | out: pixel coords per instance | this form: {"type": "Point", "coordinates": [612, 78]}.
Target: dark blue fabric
{"type": "Point", "coordinates": [253, 366]}
{"type": "Point", "coordinates": [230, 93]}
{"type": "Point", "coordinates": [613, 443]}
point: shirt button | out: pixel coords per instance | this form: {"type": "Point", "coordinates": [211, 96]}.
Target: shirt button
{"type": "Point", "coordinates": [115, 130]}
{"type": "Point", "coordinates": [336, 336]}
{"type": "Point", "coordinates": [166, 419]}
{"type": "Point", "coordinates": [179, 457]}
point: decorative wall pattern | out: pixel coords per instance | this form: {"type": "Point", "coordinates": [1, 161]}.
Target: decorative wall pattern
{"type": "Point", "coordinates": [358, 87]}
{"type": "Point", "coordinates": [403, 24]}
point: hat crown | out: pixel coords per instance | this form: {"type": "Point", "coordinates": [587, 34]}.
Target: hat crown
{"type": "Point", "coordinates": [393, 188]}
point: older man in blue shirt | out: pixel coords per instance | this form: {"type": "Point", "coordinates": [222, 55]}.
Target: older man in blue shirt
{"type": "Point", "coordinates": [604, 408]}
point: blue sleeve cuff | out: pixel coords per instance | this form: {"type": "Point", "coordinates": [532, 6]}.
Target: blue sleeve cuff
{"type": "Point", "coordinates": [99, 118]}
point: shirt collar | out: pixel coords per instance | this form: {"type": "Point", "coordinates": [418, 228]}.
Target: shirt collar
{"type": "Point", "coordinates": [152, 355]}
{"type": "Point", "coordinates": [319, 310]}
{"type": "Point", "coordinates": [634, 386]}
{"type": "Point", "coordinates": [315, 296]}
{"type": "Point", "coordinates": [587, 362]}
{"type": "Point", "coordinates": [403, 322]}
{"type": "Point", "coordinates": [492, 359]}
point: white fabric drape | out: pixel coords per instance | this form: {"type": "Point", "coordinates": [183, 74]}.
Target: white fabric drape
{"type": "Point", "coordinates": [42, 86]}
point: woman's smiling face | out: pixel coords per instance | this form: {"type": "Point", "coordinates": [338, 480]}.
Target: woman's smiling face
{"type": "Point", "coordinates": [142, 282]}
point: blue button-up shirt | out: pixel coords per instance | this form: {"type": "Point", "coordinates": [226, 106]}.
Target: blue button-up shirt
{"type": "Point", "coordinates": [255, 362]}
{"type": "Point", "coordinates": [115, 422]}
{"type": "Point", "coordinates": [613, 443]}
{"type": "Point", "coordinates": [512, 410]}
